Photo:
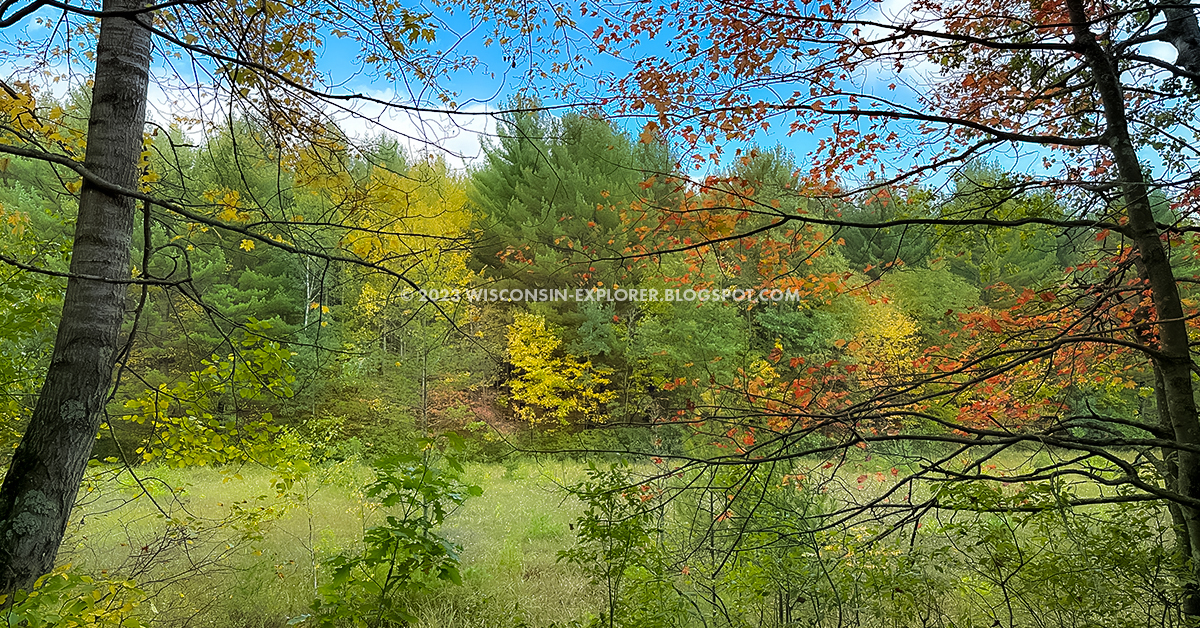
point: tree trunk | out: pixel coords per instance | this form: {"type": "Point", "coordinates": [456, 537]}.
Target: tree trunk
{"type": "Point", "coordinates": [1169, 469]}
{"type": "Point", "coordinates": [1174, 363]}
{"type": "Point", "coordinates": [1183, 33]}
{"type": "Point", "coordinates": [43, 480]}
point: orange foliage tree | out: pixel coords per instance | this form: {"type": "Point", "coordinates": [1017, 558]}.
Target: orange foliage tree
{"type": "Point", "coordinates": [1069, 97]}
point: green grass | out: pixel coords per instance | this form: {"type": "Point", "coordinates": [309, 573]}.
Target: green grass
{"type": "Point", "coordinates": [511, 537]}
{"type": "Point", "coordinates": [175, 547]}
{"type": "Point", "coordinates": [188, 538]}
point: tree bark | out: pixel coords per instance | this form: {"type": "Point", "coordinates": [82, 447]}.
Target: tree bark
{"type": "Point", "coordinates": [1169, 469]}
{"type": "Point", "coordinates": [43, 480]}
{"type": "Point", "coordinates": [1183, 33]}
{"type": "Point", "coordinates": [1174, 363]}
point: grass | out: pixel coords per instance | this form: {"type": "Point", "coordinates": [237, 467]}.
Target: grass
{"type": "Point", "coordinates": [220, 549]}
{"type": "Point", "coordinates": [202, 572]}
{"type": "Point", "coordinates": [511, 537]}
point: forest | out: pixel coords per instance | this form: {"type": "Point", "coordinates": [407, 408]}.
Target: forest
{"type": "Point", "coordinates": [822, 314]}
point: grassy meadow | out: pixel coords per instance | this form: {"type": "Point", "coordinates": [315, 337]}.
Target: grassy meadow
{"type": "Point", "coordinates": [172, 540]}
{"type": "Point", "coordinates": [213, 547]}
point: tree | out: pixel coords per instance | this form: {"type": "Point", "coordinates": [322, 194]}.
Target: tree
{"type": "Point", "coordinates": [263, 58]}
{"type": "Point", "coordinates": [1004, 261]}
{"type": "Point", "coordinates": [43, 479]}
{"type": "Point", "coordinates": [901, 99]}
{"type": "Point", "coordinates": [558, 205]}
{"type": "Point", "coordinates": [30, 223]}
{"type": "Point", "coordinates": [556, 200]}
{"type": "Point", "coordinates": [552, 386]}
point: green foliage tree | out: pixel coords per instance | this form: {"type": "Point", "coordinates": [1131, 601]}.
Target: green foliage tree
{"type": "Point", "coordinates": [405, 554]}
{"type": "Point", "coordinates": [1003, 262]}
{"type": "Point", "coordinates": [551, 200]}
{"type": "Point", "coordinates": [31, 233]}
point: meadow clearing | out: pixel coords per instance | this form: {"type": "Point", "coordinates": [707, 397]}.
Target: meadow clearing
{"type": "Point", "coordinates": [221, 547]}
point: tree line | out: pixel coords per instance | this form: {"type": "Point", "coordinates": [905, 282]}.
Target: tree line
{"type": "Point", "coordinates": [953, 294]}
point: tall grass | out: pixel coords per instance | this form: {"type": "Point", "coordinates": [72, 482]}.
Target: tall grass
{"type": "Point", "coordinates": [221, 548]}
{"type": "Point", "coordinates": [217, 548]}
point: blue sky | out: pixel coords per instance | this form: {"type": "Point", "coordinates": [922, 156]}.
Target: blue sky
{"type": "Point", "coordinates": [482, 90]}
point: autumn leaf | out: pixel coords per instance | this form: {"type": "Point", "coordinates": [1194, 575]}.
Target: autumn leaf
{"type": "Point", "coordinates": [649, 133]}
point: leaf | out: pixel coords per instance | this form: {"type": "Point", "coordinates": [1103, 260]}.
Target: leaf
{"type": "Point", "coordinates": [649, 133]}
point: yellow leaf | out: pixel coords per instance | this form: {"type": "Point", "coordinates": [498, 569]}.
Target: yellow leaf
{"type": "Point", "coordinates": [247, 245]}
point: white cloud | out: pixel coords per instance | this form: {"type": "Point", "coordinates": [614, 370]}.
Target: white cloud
{"type": "Point", "coordinates": [452, 135]}
{"type": "Point", "coordinates": [1159, 50]}
{"type": "Point", "coordinates": [455, 136]}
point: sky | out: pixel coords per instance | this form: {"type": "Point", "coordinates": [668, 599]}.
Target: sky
{"type": "Point", "coordinates": [181, 89]}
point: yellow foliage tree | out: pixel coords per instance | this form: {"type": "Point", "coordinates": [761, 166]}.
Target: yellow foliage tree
{"type": "Point", "coordinates": [420, 213]}
{"type": "Point", "coordinates": [886, 335]}
{"type": "Point", "coordinates": [413, 222]}
{"type": "Point", "coordinates": [551, 385]}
